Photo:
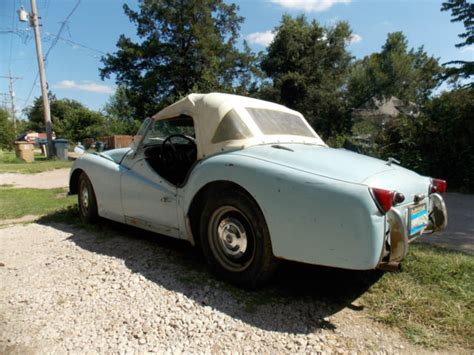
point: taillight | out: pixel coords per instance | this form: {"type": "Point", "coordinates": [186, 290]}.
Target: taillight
{"type": "Point", "coordinates": [383, 199]}
{"type": "Point", "coordinates": [438, 185]}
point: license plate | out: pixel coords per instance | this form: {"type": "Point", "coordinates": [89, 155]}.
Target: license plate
{"type": "Point", "coordinates": [418, 219]}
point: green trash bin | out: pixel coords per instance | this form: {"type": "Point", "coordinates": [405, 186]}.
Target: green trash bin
{"type": "Point", "coordinates": [60, 146]}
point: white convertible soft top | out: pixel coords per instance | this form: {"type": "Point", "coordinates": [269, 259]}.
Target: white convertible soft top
{"type": "Point", "coordinates": [239, 128]}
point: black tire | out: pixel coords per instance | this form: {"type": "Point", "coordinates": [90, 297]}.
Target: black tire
{"type": "Point", "coordinates": [87, 200]}
{"type": "Point", "coordinates": [235, 239]}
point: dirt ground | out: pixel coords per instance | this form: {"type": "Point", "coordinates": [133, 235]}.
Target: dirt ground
{"type": "Point", "coordinates": [45, 180]}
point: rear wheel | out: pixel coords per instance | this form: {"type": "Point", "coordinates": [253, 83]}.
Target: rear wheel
{"type": "Point", "coordinates": [86, 200]}
{"type": "Point", "coordinates": [235, 239]}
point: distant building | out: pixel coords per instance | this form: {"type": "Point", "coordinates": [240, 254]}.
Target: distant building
{"type": "Point", "coordinates": [385, 109]}
{"type": "Point", "coordinates": [371, 118]}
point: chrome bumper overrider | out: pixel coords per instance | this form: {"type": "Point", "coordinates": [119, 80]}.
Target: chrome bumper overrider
{"type": "Point", "coordinates": [438, 214]}
{"type": "Point", "coordinates": [396, 247]}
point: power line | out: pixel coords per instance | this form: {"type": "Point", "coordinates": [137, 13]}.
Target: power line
{"type": "Point", "coordinates": [53, 44]}
{"type": "Point", "coordinates": [32, 88]}
{"type": "Point", "coordinates": [74, 43]}
{"type": "Point", "coordinates": [11, 38]}
{"type": "Point", "coordinates": [63, 25]}
{"type": "Point", "coordinates": [24, 33]}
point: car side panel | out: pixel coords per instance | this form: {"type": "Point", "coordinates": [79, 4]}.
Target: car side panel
{"type": "Point", "coordinates": [311, 219]}
{"type": "Point", "coordinates": [104, 175]}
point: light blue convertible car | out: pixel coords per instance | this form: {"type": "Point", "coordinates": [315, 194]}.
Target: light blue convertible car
{"type": "Point", "coordinates": [251, 182]}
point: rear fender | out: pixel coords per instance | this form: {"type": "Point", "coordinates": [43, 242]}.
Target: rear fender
{"type": "Point", "coordinates": [311, 219]}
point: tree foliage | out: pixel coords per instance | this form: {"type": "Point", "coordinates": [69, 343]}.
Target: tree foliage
{"type": "Point", "coordinates": [7, 134]}
{"type": "Point", "coordinates": [120, 114]}
{"type": "Point", "coordinates": [461, 11]}
{"type": "Point", "coordinates": [70, 119]}
{"type": "Point", "coordinates": [410, 75]}
{"type": "Point", "coordinates": [58, 108]}
{"type": "Point", "coordinates": [439, 142]}
{"type": "Point", "coordinates": [185, 46]}
{"type": "Point", "coordinates": [307, 66]}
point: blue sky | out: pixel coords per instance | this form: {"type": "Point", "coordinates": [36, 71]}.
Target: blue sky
{"type": "Point", "coordinates": [93, 29]}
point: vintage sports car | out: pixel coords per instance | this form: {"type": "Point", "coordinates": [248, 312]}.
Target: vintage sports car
{"type": "Point", "coordinates": [251, 182]}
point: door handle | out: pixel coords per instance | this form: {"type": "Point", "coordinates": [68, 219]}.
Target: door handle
{"type": "Point", "coordinates": [166, 199]}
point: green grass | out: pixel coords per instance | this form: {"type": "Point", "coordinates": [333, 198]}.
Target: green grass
{"type": "Point", "coordinates": [431, 301]}
{"type": "Point", "coordinates": [10, 164]}
{"type": "Point", "coordinates": [16, 203]}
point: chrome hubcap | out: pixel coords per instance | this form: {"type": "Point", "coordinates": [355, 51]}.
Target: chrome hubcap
{"type": "Point", "coordinates": [232, 237]}
{"type": "Point", "coordinates": [85, 197]}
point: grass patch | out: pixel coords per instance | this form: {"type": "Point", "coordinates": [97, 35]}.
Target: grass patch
{"type": "Point", "coordinates": [16, 203]}
{"type": "Point", "coordinates": [9, 163]}
{"type": "Point", "coordinates": [431, 301]}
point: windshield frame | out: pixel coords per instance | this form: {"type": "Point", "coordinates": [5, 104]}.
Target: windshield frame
{"type": "Point", "coordinates": [141, 133]}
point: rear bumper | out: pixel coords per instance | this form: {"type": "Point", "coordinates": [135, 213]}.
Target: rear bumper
{"type": "Point", "coordinates": [397, 237]}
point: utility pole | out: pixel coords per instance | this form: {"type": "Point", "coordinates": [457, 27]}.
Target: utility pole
{"type": "Point", "coordinates": [12, 94]}
{"type": "Point", "coordinates": [44, 91]}
{"type": "Point", "coordinates": [5, 100]}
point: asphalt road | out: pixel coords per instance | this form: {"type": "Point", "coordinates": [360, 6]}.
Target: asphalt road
{"type": "Point", "coordinates": [459, 235]}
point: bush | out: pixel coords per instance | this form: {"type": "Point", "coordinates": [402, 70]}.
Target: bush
{"type": "Point", "coordinates": [7, 133]}
{"type": "Point", "coordinates": [438, 143]}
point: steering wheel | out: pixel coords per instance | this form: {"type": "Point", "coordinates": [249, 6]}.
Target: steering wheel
{"type": "Point", "coordinates": [172, 156]}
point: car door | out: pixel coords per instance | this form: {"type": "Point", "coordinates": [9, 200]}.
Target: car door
{"type": "Point", "coordinates": [148, 200]}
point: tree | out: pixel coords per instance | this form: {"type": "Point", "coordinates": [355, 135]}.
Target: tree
{"type": "Point", "coordinates": [70, 119]}
{"type": "Point", "coordinates": [410, 75]}
{"type": "Point", "coordinates": [461, 11]}
{"type": "Point", "coordinates": [59, 108]}
{"type": "Point", "coordinates": [118, 105]}
{"type": "Point", "coordinates": [185, 46]}
{"type": "Point", "coordinates": [120, 115]}
{"type": "Point", "coordinates": [7, 133]}
{"type": "Point", "coordinates": [439, 142]}
{"type": "Point", "coordinates": [307, 66]}
{"type": "Point", "coordinates": [80, 123]}
{"type": "Point", "coordinates": [449, 143]}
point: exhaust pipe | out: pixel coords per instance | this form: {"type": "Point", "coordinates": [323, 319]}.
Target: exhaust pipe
{"type": "Point", "coordinates": [390, 266]}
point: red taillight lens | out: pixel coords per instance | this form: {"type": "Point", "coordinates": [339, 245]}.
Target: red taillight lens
{"type": "Point", "coordinates": [383, 198]}
{"type": "Point", "coordinates": [438, 185]}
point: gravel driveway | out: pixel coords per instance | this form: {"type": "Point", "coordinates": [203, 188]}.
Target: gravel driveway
{"type": "Point", "coordinates": [66, 289]}
{"type": "Point", "coordinates": [46, 180]}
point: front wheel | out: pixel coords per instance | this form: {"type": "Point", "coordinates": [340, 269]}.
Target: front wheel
{"type": "Point", "coordinates": [235, 239]}
{"type": "Point", "coordinates": [87, 201]}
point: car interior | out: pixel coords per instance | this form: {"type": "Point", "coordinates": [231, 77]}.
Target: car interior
{"type": "Point", "coordinates": [170, 148]}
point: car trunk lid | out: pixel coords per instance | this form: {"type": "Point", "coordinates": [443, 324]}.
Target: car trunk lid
{"type": "Point", "coordinates": [344, 165]}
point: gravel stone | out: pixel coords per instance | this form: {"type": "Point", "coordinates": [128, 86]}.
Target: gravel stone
{"type": "Point", "coordinates": [64, 289]}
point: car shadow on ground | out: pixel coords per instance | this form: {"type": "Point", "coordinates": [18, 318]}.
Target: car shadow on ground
{"type": "Point", "coordinates": [299, 299]}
